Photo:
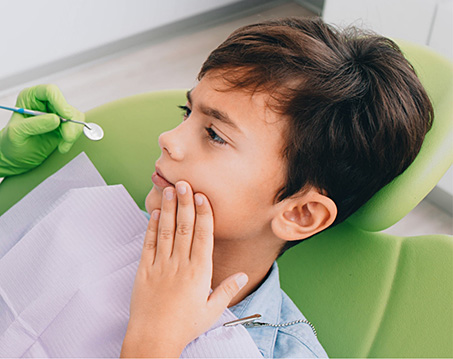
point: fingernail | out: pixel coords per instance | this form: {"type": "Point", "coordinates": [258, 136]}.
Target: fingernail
{"type": "Point", "coordinates": [198, 200]}
{"type": "Point", "coordinates": [155, 215]}
{"type": "Point", "coordinates": [241, 280]}
{"type": "Point", "coordinates": [181, 188]}
{"type": "Point", "coordinates": [169, 194]}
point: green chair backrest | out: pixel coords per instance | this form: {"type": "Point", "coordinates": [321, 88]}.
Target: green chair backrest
{"type": "Point", "coordinates": [368, 294]}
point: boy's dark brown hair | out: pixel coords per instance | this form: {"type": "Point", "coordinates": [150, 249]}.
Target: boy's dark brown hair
{"type": "Point", "coordinates": [357, 113]}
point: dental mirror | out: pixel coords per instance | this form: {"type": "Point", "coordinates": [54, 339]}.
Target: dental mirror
{"type": "Point", "coordinates": [93, 131]}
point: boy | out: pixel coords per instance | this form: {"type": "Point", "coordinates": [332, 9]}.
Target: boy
{"type": "Point", "coordinates": [291, 128]}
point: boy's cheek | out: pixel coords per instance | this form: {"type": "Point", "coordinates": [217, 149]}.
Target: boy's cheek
{"type": "Point", "coordinates": [153, 200]}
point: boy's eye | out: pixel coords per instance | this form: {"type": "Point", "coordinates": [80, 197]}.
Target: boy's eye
{"type": "Point", "coordinates": [187, 112]}
{"type": "Point", "coordinates": [214, 137]}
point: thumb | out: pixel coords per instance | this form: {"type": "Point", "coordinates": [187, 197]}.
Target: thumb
{"type": "Point", "coordinates": [227, 290]}
{"type": "Point", "coordinates": [35, 125]}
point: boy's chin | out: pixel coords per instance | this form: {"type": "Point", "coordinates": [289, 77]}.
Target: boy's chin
{"type": "Point", "coordinates": [153, 200]}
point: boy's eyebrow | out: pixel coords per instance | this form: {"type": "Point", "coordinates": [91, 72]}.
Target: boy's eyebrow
{"type": "Point", "coordinates": [212, 112]}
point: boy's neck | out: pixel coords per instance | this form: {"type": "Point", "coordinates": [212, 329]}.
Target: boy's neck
{"type": "Point", "coordinates": [255, 260]}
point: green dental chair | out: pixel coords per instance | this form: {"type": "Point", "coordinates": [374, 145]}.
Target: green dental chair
{"type": "Point", "coordinates": [369, 294]}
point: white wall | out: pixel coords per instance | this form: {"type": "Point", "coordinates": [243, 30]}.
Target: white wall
{"type": "Point", "coordinates": [36, 32]}
{"type": "Point", "coordinates": [427, 22]}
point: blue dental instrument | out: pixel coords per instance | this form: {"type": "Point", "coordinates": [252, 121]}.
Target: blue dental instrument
{"type": "Point", "coordinates": [91, 130]}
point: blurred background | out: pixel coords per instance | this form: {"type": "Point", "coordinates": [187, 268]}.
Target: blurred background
{"type": "Point", "coordinates": [97, 51]}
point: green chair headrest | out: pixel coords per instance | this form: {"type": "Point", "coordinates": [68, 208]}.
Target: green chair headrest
{"type": "Point", "coordinates": [399, 197]}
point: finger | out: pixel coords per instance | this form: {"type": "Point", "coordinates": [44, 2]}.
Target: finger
{"type": "Point", "coordinates": [166, 232]}
{"type": "Point", "coordinates": [27, 99]}
{"type": "Point", "coordinates": [32, 126]}
{"type": "Point", "coordinates": [70, 132]}
{"type": "Point", "coordinates": [48, 98]}
{"type": "Point", "coordinates": [56, 103]}
{"type": "Point", "coordinates": [226, 291]}
{"type": "Point", "coordinates": [150, 242]}
{"type": "Point", "coordinates": [185, 220]}
{"type": "Point", "coordinates": [55, 100]}
{"type": "Point", "coordinates": [203, 240]}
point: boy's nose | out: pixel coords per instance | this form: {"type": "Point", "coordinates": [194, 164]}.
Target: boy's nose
{"type": "Point", "coordinates": [168, 142]}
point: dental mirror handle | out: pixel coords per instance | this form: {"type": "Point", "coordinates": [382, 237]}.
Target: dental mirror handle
{"type": "Point", "coordinates": [25, 111]}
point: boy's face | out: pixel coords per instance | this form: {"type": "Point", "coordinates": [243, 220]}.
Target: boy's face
{"type": "Point", "coordinates": [229, 148]}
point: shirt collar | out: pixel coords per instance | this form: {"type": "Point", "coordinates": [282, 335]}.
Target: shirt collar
{"type": "Point", "coordinates": [267, 301]}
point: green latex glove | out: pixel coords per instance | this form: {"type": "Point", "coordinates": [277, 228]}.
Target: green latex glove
{"type": "Point", "coordinates": [27, 141]}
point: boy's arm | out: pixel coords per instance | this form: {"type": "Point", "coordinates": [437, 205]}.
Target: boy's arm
{"type": "Point", "coordinates": [171, 304]}
{"type": "Point", "coordinates": [26, 142]}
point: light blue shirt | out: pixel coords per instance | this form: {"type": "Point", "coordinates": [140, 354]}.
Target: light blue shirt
{"type": "Point", "coordinates": [293, 341]}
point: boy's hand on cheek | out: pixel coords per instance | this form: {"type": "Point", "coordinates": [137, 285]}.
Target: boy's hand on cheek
{"type": "Point", "coordinates": [171, 304]}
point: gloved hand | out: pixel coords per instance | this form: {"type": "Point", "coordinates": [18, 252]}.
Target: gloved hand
{"type": "Point", "coordinates": [27, 141]}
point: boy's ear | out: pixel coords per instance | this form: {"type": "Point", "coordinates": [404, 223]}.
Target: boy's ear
{"type": "Point", "coordinates": [303, 216]}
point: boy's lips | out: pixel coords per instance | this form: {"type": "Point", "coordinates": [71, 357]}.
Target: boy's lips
{"type": "Point", "coordinates": [159, 180]}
